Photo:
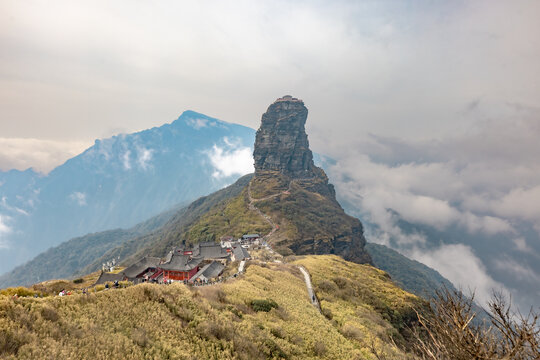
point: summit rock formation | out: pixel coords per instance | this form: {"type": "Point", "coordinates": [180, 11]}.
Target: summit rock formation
{"type": "Point", "coordinates": [289, 188]}
{"type": "Point", "coordinates": [281, 143]}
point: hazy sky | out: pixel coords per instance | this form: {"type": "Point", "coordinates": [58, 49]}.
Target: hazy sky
{"type": "Point", "coordinates": [432, 108]}
{"type": "Point", "coordinates": [72, 71]}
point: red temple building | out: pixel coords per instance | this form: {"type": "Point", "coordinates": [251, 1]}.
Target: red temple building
{"type": "Point", "coordinates": [180, 267]}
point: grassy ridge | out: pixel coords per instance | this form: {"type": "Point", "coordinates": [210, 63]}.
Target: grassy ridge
{"type": "Point", "coordinates": [411, 275]}
{"type": "Point", "coordinates": [231, 218]}
{"type": "Point", "coordinates": [218, 322]}
{"type": "Point", "coordinates": [72, 256]}
{"type": "Point", "coordinates": [160, 241]}
{"type": "Point", "coordinates": [363, 303]}
{"type": "Point", "coordinates": [268, 183]}
{"type": "Point", "coordinates": [310, 220]}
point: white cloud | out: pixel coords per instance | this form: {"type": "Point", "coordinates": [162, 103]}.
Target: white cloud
{"type": "Point", "coordinates": [462, 267]}
{"type": "Point", "coordinates": [521, 245]}
{"type": "Point", "coordinates": [519, 203]}
{"type": "Point", "coordinates": [469, 187]}
{"type": "Point", "coordinates": [394, 68]}
{"type": "Point", "coordinates": [125, 160]}
{"type": "Point", "coordinates": [427, 194]}
{"type": "Point", "coordinates": [144, 158]}
{"type": "Point", "coordinates": [520, 271]}
{"type": "Point", "coordinates": [4, 231]}
{"type": "Point", "coordinates": [199, 123]}
{"type": "Point", "coordinates": [230, 159]}
{"type": "Point", "coordinates": [79, 198]}
{"type": "Point", "coordinates": [12, 209]}
{"type": "Point", "coordinates": [489, 225]}
{"type": "Point", "coordinates": [41, 155]}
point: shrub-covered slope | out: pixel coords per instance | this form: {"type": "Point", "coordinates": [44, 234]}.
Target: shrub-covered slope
{"type": "Point", "coordinates": [411, 275]}
{"type": "Point", "coordinates": [85, 254]}
{"type": "Point", "coordinates": [70, 257]}
{"type": "Point", "coordinates": [116, 183]}
{"type": "Point", "coordinates": [160, 241]}
{"type": "Point", "coordinates": [309, 221]}
{"type": "Point", "coordinates": [227, 321]}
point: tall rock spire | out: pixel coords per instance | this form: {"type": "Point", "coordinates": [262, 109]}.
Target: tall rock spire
{"type": "Point", "coordinates": [289, 187]}
{"type": "Point", "coordinates": [281, 143]}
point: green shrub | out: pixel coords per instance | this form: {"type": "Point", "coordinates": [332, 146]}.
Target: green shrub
{"type": "Point", "coordinates": [327, 286]}
{"type": "Point", "coordinates": [273, 351]}
{"type": "Point", "coordinates": [263, 305]}
{"type": "Point", "coordinates": [235, 311]}
{"type": "Point", "coordinates": [78, 281]}
{"type": "Point", "coordinates": [278, 332]}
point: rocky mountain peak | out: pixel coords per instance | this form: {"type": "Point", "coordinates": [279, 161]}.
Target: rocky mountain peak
{"type": "Point", "coordinates": [289, 187]}
{"type": "Point", "coordinates": [281, 143]}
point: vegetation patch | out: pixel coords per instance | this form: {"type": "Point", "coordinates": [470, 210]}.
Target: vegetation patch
{"type": "Point", "coordinates": [268, 183]}
{"type": "Point", "coordinates": [232, 218]}
{"type": "Point", "coordinates": [263, 314]}
{"type": "Point", "coordinates": [19, 292]}
{"type": "Point", "coordinates": [263, 305]}
{"type": "Point", "coordinates": [363, 303]}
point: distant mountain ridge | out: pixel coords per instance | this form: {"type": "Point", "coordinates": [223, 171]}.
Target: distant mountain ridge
{"type": "Point", "coordinates": [82, 255]}
{"type": "Point", "coordinates": [117, 182]}
{"type": "Point", "coordinates": [310, 218]}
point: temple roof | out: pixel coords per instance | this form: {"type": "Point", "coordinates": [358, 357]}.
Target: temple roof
{"type": "Point", "coordinates": [109, 277]}
{"type": "Point", "coordinates": [210, 250]}
{"type": "Point", "coordinates": [209, 271]}
{"type": "Point", "coordinates": [181, 263]}
{"type": "Point", "coordinates": [141, 265]}
{"type": "Point", "coordinates": [240, 253]}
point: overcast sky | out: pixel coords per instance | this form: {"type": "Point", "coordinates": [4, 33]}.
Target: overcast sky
{"type": "Point", "coordinates": [72, 71]}
{"type": "Point", "coordinates": [431, 107]}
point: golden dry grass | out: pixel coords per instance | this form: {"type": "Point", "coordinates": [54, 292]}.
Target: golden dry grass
{"type": "Point", "coordinates": [217, 322]}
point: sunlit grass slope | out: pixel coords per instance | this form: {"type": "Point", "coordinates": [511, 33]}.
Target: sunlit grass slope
{"type": "Point", "coordinates": [228, 321]}
{"type": "Point", "coordinates": [363, 302]}
{"type": "Point", "coordinates": [232, 218]}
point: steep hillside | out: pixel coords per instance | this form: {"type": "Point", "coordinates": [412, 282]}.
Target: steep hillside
{"type": "Point", "coordinates": [289, 199]}
{"type": "Point", "coordinates": [85, 254]}
{"type": "Point", "coordinates": [117, 182]}
{"type": "Point", "coordinates": [411, 275]}
{"type": "Point", "coordinates": [310, 222]}
{"type": "Point", "coordinates": [265, 313]}
{"type": "Point", "coordinates": [70, 257]}
{"type": "Point", "coordinates": [294, 195]}
{"type": "Point", "coordinates": [160, 241]}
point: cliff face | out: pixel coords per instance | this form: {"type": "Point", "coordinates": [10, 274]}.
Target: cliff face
{"type": "Point", "coordinates": [310, 219]}
{"type": "Point", "coordinates": [289, 200]}
{"type": "Point", "coordinates": [281, 143]}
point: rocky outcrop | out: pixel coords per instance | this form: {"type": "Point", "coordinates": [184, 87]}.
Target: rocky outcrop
{"type": "Point", "coordinates": [281, 143]}
{"type": "Point", "coordinates": [311, 221]}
